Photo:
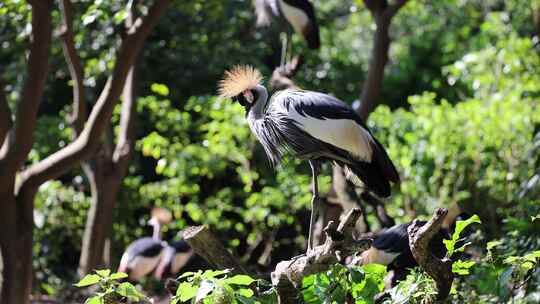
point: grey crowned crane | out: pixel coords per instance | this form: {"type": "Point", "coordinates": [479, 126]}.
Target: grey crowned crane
{"type": "Point", "coordinates": [174, 258]}
{"type": "Point", "coordinates": [300, 14]}
{"type": "Point", "coordinates": [391, 247]}
{"type": "Point", "coordinates": [143, 255]}
{"type": "Point", "coordinates": [311, 126]}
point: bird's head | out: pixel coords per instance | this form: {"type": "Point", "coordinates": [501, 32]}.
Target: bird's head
{"type": "Point", "coordinates": [243, 84]}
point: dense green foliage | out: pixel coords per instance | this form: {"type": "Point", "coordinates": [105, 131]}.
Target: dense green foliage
{"type": "Point", "coordinates": [458, 116]}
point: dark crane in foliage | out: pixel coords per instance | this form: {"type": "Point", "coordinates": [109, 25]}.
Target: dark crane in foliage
{"type": "Point", "coordinates": [300, 14]}
{"type": "Point", "coordinates": [311, 126]}
{"type": "Point", "coordinates": [390, 247]}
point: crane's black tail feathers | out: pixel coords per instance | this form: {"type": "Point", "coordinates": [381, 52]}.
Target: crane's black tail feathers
{"type": "Point", "coordinates": [369, 176]}
{"type": "Point", "coordinates": [375, 175]}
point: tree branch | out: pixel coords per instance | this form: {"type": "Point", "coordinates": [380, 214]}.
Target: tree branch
{"type": "Point", "coordinates": [21, 136]}
{"type": "Point", "coordinates": [77, 151]}
{"type": "Point", "coordinates": [439, 269]}
{"type": "Point", "coordinates": [126, 140]}
{"type": "Point", "coordinates": [339, 244]}
{"type": "Point", "coordinates": [209, 247]}
{"type": "Point", "coordinates": [78, 116]}
{"type": "Point", "coordinates": [382, 14]}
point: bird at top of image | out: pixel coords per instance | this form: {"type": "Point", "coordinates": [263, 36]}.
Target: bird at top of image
{"type": "Point", "coordinates": [312, 126]}
{"type": "Point", "coordinates": [300, 14]}
{"type": "Point", "coordinates": [143, 255]}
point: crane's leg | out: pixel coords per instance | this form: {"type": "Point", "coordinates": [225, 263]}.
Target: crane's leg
{"type": "Point", "coordinates": [315, 202]}
{"type": "Point", "coordinates": [284, 43]}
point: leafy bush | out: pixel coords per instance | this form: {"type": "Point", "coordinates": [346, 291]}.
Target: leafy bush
{"type": "Point", "coordinates": [110, 290]}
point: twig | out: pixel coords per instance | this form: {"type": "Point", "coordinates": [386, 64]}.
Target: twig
{"type": "Point", "coordinates": [439, 269]}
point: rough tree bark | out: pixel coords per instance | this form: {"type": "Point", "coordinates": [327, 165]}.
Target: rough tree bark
{"type": "Point", "coordinates": [105, 172]}
{"type": "Point", "coordinates": [18, 188]}
{"type": "Point", "coordinates": [439, 269]}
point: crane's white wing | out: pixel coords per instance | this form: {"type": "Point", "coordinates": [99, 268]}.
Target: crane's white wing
{"type": "Point", "coordinates": [326, 119]}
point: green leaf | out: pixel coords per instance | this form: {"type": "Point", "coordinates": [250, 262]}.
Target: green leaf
{"type": "Point", "coordinates": [94, 300]}
{"type": "Point", "coordinates": [88, 280]}
{"type": "Point", "coordinates": [186, 291]}
{"type": "Point", "coordinates": [160, 89]}
{"type": "Point", "coordinates": [129, 291]}
{"type": "Point", "coordinates": [118, 276]}
{"type": "Point", "coordinates": [460, 226]}
{"type": "Point", "coordinates": [245, 292]}
{"type": "Point", "coordinates": [239, 280]}
{"type": "Point", "coordinates": [104, 272]}
{"type": "Point", "coordinates": [210, 274]}
{"type": "Point", "coordinates": [462, 267]}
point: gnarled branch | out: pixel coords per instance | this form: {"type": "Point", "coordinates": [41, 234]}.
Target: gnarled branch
{"type": "Point", "coordinates": [288, 275]}
{"type": "Point", "coordinates": [439, 269]}
{"type": "Point", "coordinates": [89, 139]}
{"type": "Point", "coordinates": [78, 116]}
{"type": "Point", "coordinates": [21, 137]}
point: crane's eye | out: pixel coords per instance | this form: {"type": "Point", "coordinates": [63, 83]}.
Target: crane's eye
{"type": "Point", "coordinates": [241, 100]}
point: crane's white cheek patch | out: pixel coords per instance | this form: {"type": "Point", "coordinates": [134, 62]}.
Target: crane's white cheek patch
{"type": "Point", "coordinates": [295, 16]}
{"type": "Point", "coordinates": [345, 134]}
{"type": "Point", "coordinates": [376, 256]}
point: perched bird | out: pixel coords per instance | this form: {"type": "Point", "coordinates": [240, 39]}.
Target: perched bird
{"type": "Point", "coordinates": [300, 14]}
{"type": "Point", "coordinates": [391, 247]}
{"type": "Point", "coordinates": [174, 258]}
{"type": "Point", "coordinates": [143, 255]}
{"type": "Point", "coordinates": [311, 126]}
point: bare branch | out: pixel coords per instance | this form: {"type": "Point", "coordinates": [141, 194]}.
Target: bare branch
{"type": "Point", "coordinates": [21, 136]}
{"type": "Point", "coordinates": [83, 147]}
{"type": "Point", "coordinates": [210, 248]}
{"type": "Point", "coordinates": [439, 269]}
{"type": "Point", "coordinates": [383, 13]}
{"type": "Point", "coordinates": [74, 65]}
{"type": "Point", "coordinates": [126, 140]}
{"type": "Point", "coordinates": [339, 244]}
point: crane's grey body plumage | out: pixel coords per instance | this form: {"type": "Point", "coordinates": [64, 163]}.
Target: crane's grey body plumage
{"type": "Point", "coordinates": [312, 126]}
{"type": "Point", "coordinates": [290, 125]}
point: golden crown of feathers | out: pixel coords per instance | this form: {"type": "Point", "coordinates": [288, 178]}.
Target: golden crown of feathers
{"type": "Point", "coordinates": [238, 79]}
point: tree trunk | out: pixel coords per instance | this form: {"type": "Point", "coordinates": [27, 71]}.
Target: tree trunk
{"type": "Point", "coordinates": [105, 176]}
{"type": "Point", "coordinates": [104, 187]}
{"type": "Point", "coordinates": [16, 244]}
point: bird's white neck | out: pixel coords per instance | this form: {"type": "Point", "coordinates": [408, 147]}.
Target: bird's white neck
{"type": "Point", "coordinates": [259, 107]}
{"type": "Point", "coordinates": [157, 232]}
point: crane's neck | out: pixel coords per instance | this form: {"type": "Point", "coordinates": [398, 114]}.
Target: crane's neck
{"type": "Point", "coordinates": [259, 106]}
{"type": "Point", "coordinates": [157, 231]}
